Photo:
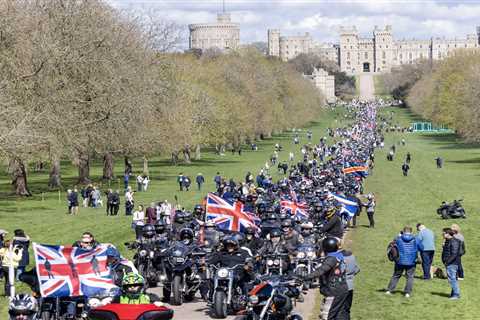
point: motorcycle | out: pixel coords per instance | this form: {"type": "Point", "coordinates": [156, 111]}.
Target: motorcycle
{"type": "Point", "coordinates": [275, 263]}
{"type": "Point", "coordinates": [144, 261]}
{"type": "Point", "coordinates": [451, 210]}
{"type": "Point", "coordinates": [63, 308]}
{"type": "Point", "coordinates": [273, 299]}
{"type": "Point", "coordinates": [226, 296]}
{"type": "Point", "coordinates": [305, 262]}
{"type": "Point", "coordinates": [182, 278]}
{"type": "Point", "coordinates": [117, 311]}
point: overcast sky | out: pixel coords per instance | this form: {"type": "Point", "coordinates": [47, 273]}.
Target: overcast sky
{"type": "Point", "coordinates": [409, 19]}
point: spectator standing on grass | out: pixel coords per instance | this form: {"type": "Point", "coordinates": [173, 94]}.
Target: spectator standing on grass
{"type": "Point", "coordinates": [139, 183]}
{"type": "Point", "coordinates": [407, 250]}
{"type": "Point", "coordinates": [451, 257]}
{"type": "Point", "coordinates": [370, 205]}
{"type": "Point", "coordinates": [151, 214]}
{"type": "Point", "coordinates": [456, 229]}
{"type": "Point", "coordinates": [218, 180]}
{"type": "Point", "coordinates": [116, 202]}
{"type": "Point", "coordinates": [408, 158]}
{"type": "Point", "coordinates": [109, 207]}
{"type": "Point", "coordinates": [21, 240]}
{"type": "Point", "coordinates": [129, 201]}
{"type": "Point", "coordinates": [126, 178]}
{"type": "Point", "coordinates": [180, 180]}
{"type": "Point", "coordinates": [439, 162]}
{"type": "Point", "coordinates": [138, 221]}
{"type": "Point", "coordinates": [351, 270]}
{"type": "Point", "coordinates": [96, 197]}
{"type": "Point", "coordinates": [200, 181]}
{"type": "Point", "coordinates": [145, 182]}
{"type": "Point", "coordinates": [9, 259]}
{"type": "Point", "coordinates": [405, 168]}
{"type": "Point", "coordinates": [426, 244]}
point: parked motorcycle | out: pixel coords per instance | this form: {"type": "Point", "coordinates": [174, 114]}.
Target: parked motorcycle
{"type": "Point", "coordinates": [451, 210]}
{"type": "Point", "coordinates": [305, 262]}
{"type": "Point", "coordinates": [117, 311]}
{"type": "Point", "coordinates": [273, 299]}
{"type": "Point", "coordinates": [145, 261]}
{"type": "Point", "coordinates": [275, 264]}
{"type": "Point", "coordinates": [182, 278]}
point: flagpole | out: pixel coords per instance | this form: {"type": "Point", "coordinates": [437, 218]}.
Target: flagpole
{"type": "Point", "coordinates": [11, 271]}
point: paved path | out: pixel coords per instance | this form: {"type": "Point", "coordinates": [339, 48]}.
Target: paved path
{"type": "Point", "coordinates": [198, 310]}
{"type": "Point", "coordinates": [367, 87]}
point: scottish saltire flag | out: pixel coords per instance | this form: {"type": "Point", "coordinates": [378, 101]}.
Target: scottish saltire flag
{"type": "Point", "coordinates": [229, 215]}
{"type": "Point", "coordinates": [349, 205]}
{"type": "Point", "coordinates": [361, 170]}
{"type": "Point", "coordinates": [65, 271]}
{"type": "Point", "coordinates": [295, 208]}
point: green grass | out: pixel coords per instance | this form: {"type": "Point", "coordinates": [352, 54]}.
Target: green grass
{"type": "Point", "coordinates": [406, 201]}
{"type": "Point", "coordinates": [380, 90]}
{"type": "Point", "coordinates": [44, 216]}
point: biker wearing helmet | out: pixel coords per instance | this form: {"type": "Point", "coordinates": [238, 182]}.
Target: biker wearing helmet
{"type": "Point", "coordinates": [23, 307]}
{"type": "Point", "coordinates": [252, 242]}
{"type": "Point", "coordinates": [332, 274]}
{"type": "Point", "coordinates": [186, 236]}
{"type": "Point", "coordinates": [211, 236]}
{"type": "Point", "coordinates": [334, 226]}
{"type": "Point", "coordinates": [273, 244]}
{"type": "Point", "coordinates": [148, 231]}
{"type": "Point", "coordinates": [291, 238]}
{"type": "Point", "coordinates": [133, 291]}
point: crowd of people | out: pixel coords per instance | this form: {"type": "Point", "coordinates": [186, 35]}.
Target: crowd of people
{"type": "Point", "coordinates": [307, 205]}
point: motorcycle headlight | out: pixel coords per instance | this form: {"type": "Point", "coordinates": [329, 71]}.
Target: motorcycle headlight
{"type": "Point", "coordinates": [222, 273]}
{"type": "Point", "coordinates": [311, 254]}
{"type": "Point", "coordinates": [253, 299]}
{"type": "Point", "coordinates": [179, 260]}
{"type": "Point", "coordinates": [142, 253]}
{"type": "Point", "coordinates": [152, 254]}
{"type": "Point", "coordinates": [269, 262]}
{"type": "Point", "coordinates": [177, 253]}
{"type": "Point", "coordinates": [94, 302]}
{"type": "Point", "coordinates": [301, 255]}
{"type": "Point", "coordinates": [276, 262]}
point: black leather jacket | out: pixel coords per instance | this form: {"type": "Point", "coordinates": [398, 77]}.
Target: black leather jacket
{"type": "Point", "coordinates": [451, 251]}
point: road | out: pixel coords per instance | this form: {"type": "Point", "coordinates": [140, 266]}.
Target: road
{"type": "Point", "coordinates": [367, 87]}
{"type": "Point", "coordinates": [198, 309]}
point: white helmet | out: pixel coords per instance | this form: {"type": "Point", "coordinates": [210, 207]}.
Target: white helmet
{"type": "Point", "coordinates": [23, 304]}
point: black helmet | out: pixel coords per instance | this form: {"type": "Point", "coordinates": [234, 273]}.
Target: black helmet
{"type": "Point", "coordinates": [160, 227]}
{"type": "Point", "coordinates": [179, 216]}
{"type": "Point", "coordinates": [198, 208]}
{"type": "Point", "coordinates": [250, 230]}
{"type": "Point", "coordinates": [23, 304]}
{"type": "Point", "coordinates": [188, 216]}
{"type": "Point", "coordinates": [148, 231]}
{"type": "Point", "coordinates": [275, 233]}
{"type": "Point", "coordinates": [283, 216]}
{"type": "Point", "coordinates": [272, 216]}
{"type": "Point", "coordinates": [230, 240]}
{"type": "Point", "coordinates": [330, 244]}
{"type": "Point", "coordinates": [186, 235]}
{"type": "Point", "coordinates": [287, 223]}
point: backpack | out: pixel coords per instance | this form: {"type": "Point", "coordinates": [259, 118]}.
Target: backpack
{"type": "Point", "coordinates": [392, 252]}
{"type": "Point", "coordinates": [461, 250]}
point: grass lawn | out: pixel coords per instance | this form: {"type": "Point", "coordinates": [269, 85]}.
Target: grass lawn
{"type": "Point", "coordinates": [406, 201]}
{"type": "Point", "coordinates": [380, 90]}
{"type": "Point", "coordinates": [44, 217]}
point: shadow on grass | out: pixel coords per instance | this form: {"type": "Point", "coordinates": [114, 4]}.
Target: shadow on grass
{"type": "Point", "coordinates": [449, 141]}
{"type": "Point", "coordinates": [440, 294]}
{"type": "Point", "coordinates": [466, 161]}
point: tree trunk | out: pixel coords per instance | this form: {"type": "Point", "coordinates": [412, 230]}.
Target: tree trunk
{"type": "Point", "coordinates": [55, 180]}
{"type": "Point", "coordinates": [198, 153]}
{"type": "Point", "coordinates": [19, 178]}
{"type": "Point", "coordinates": [145, 166]}
{"type": "Point", "coordinates": [108, 166]}
{"type": "Point", "coordinates": [186, 155]}
{"type": "Point", "coordinates": [83, 168]}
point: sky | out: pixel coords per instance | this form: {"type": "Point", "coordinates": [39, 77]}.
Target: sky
{"type": "Point", "coordinates": [322, 19]}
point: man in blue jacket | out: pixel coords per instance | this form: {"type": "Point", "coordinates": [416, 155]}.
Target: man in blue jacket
{"type": "Point", "coordinates": [426, 244]}
{"type": "Point", "coordinates": [407, 250]}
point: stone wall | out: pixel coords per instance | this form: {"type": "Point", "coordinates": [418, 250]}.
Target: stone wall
{"type": "Point", "coordinates": [324, 82]}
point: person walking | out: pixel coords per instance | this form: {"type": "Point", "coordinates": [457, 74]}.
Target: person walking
{"type": "Point", "coordinates": [451, 257]}
{"type": "Point", "coordinates": [405, 169]}
{"type": "Point", "coordinates": [8, 259]}
{"type": "Point", "coordinates": [370, 205]}
{"type": "Point", "coordinates": [109, 207]}
{"type": "Point", "coordinates": [126, 178]}
{"type": "Point", "coordinates": [180, 179]}
{"type": "Point", "coordinates": [439, 162]}
{"type": "Point", "coordinates": [151, 214]}
{"type": "Point", "coordinates": [139, 183]}
{"type": "Point", "coordinates": [408, 158]}
{"type": "Point", "coordinates": [351, 270]}
{"type": "Point", "coordinates": [21, 240]}
{"type": "Point", "coordinates": [426, 244]}
{"type": "Point", "coordinates": [456, 229]}
{"type": "Point", "coordinates": [218, 180]}
{"type": "Point", "coordinates": [138, 221]}
{"type": "Point", "coordinates": [116, 202]}
{"type": "Point", "coordinates": [407, 258]}
{"type": "Point", "coordinates": [200, 181]}
{"type": "Point", "coordinates": [74, 201]}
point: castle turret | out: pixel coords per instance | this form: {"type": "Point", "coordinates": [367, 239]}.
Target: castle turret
{"type": "Point", "coordinates": [274, 42]}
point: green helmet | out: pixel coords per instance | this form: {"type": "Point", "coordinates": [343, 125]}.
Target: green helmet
{"type": "Point", "coordinates": [132, 278]}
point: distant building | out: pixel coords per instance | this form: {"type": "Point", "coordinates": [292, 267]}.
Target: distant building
{"type": "Point", "coordinates": [223, 35]}
{"type": "Point", "coordinates": [287, 48]}
{"type": "Point", "coordinates": [324, 82]}
{"type": "Point", "coordinates": [379, 53]}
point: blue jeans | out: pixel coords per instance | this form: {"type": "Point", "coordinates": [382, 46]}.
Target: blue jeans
{"type": "Point", "coordinates": [427, 259]}
{"type": "Point", "coordinates": [452, 279]}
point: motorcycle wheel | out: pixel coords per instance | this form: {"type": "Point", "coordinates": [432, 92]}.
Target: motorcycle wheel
{"type": "Point", "coordinates": [166, 294]}
{"type": "Point", "coordinates": [220, 305]}
{"type": "Point", "coordinates": [190, 296]}
{"type": "Point", "coordinates": [177, 295]}
{"type": "Point", "coordinates": [141, 270]}
{"type": "Point", "coordinates": [444, 214]}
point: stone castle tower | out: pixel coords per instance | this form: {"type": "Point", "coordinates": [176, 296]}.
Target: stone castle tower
{"type": "Point", "coordinates": [274, 42]}
{"type": "Point", "coordinates": [384, 50]}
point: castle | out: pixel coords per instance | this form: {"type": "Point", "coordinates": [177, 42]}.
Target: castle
{"type": "Point", "coordinates": [223, 35]}
{"type": "Point", "coordinates": [379, 53]}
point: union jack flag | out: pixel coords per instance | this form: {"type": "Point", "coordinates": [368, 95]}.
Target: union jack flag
{"type": "Point", "coordinates": [295, 208]}
{"type": "Point", "coordinates": [65, 271]}
{"type": "Point", "coordinates": [229, 215]}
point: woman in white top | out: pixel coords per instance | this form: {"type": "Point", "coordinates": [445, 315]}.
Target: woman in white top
{"type": "Point", "coordinates": [129, 201]}
{"type": "Point", "coordinates": [138, 221]}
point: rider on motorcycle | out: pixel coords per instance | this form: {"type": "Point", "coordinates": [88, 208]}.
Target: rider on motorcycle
{"type": "Point", "coordinates": [23, 307]}
{"type": "Point", "coordinates": [133, 291]}
{"type": "Point", "coordinates": [162, 235]}
{"type": "Point", "coordinates": [252, 242]}
{"type": "Point", "coordinates": [290, 237]}
{"type": "Point", "coordinates": [211, 236]}
{"type": "Point", "coordinates": [306, 231]}
{"type": "Point", "coordinates": [117, 267]}
{"type": "Point", "coordinates": [232, 255]}
{"type": "Point", "coordinates": [334, 226]}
